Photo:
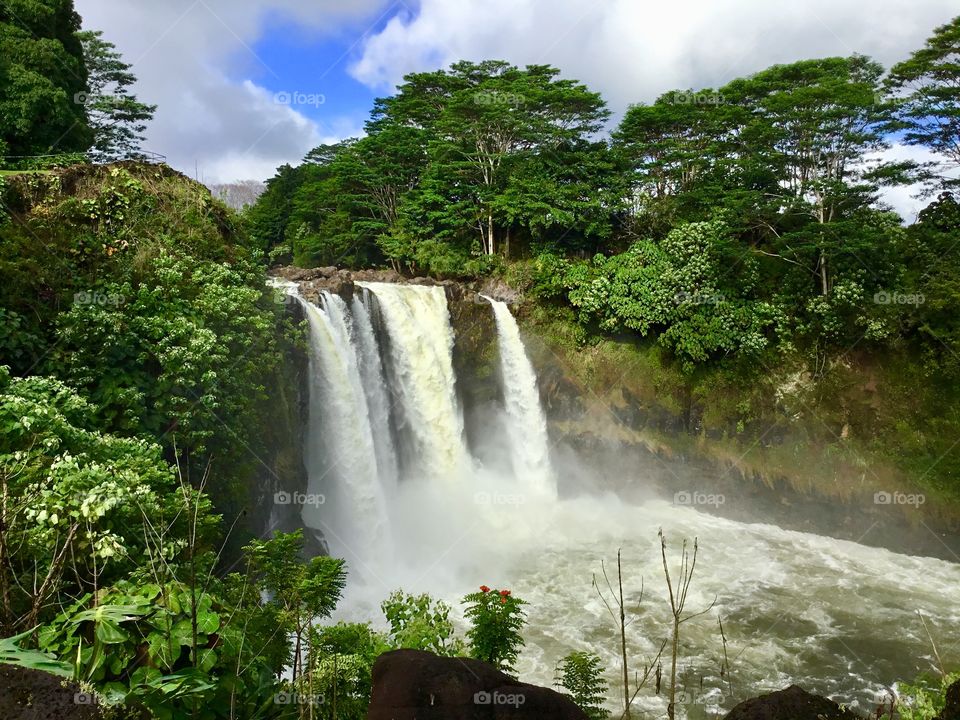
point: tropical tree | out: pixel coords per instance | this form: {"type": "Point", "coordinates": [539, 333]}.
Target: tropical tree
{"type": "Point", "coordinates": [926, 87]}
{"type": "Point", "coordinates": [807, 130]}
{"type": "Point", "coordinates": [42, 79]}
{"type": "Point", "coordinates": [484, 120]}
{"type": "Point", "coordinates": [114, 114]}
{"type": "Point", "coordinates": [303, 591]}
{"type": "Point", "coordinates": [674, 151]}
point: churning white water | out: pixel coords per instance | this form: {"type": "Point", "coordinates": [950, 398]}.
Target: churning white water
{"type": "Point", "coordinates": [527, 424]}
{"type": "Point", "coordinates": [834, 616]}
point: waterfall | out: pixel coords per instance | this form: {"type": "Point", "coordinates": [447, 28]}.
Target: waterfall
{"type": "Point", "coordinates": [382, 388]}
{"type": "Point", "coordinates": [345, 499]}
{"type": "Point", "coordinates": [527, 425]}
{"type": "Point", "coordinates": [421, 342]}
{"type": "Point", "coordinates": [378, 395]}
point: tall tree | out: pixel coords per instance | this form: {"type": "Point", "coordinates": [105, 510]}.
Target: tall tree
{"type": "Point", "coordinates": [810, 127]}
{"type": "Point", "coordinates": [42, 78]}
{"type": "Point", "coordinates": [116, 117]}
{"type": "Point", "coordinates": [927, 88]}
{"type": "Point", "coordinates": [486, 119]}
{"type": "Point", "coordinates": [678, 157]}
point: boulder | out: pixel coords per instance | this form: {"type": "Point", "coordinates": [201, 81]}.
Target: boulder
{"type": "Point", "coordinates": [418, 685]}
{"type": "Point", "coordinates": [34, 695]}
{"type": "Point", "coordinates": [951, 710]}
{"type": "Point", "coordinates": [794, 703]}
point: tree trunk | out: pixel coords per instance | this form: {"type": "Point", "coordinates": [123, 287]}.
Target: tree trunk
{"type": "Point", "coordinates": [623, 644]}
{"type": "Point", "coordinates": [824, 278]}
{"type": "Point", "coordinates": [671, 707]}
{"type": "Point", "coordinates": [490, 236]}
{"type": "Point", "coordinates": [49, 581]}
{"type": "Point", "coordinates": [6, 624]}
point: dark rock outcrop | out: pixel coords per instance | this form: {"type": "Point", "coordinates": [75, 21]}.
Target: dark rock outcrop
{"type": "Point", "coordinates": [951, 711]}
{"type": "Point", "coordinates": [417, 685]}
{"type": "Point", "coordinates": [34, 695]}
{"type": "Point", "coordinates": [793, 703]}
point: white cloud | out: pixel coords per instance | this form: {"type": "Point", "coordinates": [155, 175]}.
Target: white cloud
{"type": "Point", "coordinates": [906, 199]}
{"type": "Point", "coordinates": [189, 54]}
{"type": "Point", "coordinates": [184, 52]}
{"type": "Point", "coordinates": [632, 51]}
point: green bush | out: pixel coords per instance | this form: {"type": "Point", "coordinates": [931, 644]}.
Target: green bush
{"type": "Point", "coordinates": [496, 618]}
{"type": "Point", "coordinates": [581, 674]}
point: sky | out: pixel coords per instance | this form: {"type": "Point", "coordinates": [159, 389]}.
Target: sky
{"type": "Point", "coordinates": [244, 86]}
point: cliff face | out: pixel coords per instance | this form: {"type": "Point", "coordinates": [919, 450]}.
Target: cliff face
{"type": "Point", "coordinates": [645, 431]}
{"type": "Point", "coordinates": [619, 421]}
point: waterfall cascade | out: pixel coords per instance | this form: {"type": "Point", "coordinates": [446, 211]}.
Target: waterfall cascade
{"type": "Point", "coordinates": [345, 499]}
{"type": "Point", "coordinates": [384, 411]}
{"type": "Point", "coordinates": [526, 423]}
{"type": "Point", "coordinates": [382, 392]}
{"type": "Point", "coordinates": [421, 343]}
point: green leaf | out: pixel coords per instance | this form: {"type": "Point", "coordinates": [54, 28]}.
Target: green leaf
{"type": "Point", "coordinates": [12, 654]}
{"type": "Point", "coordinates": [110, 633]}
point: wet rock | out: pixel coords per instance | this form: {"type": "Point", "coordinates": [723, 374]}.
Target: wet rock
{"type": "Point", "coordinates": [418, 685]}
{"type": "Point", "coordinates": [793, 703]}
{"type": "Point", "coordinates": [499, 290]}
{"type": "Point", "coordinates": [951, 710]}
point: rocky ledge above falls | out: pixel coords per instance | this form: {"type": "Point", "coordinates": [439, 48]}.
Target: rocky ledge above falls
{"type": "Point", "coordinates": [340, 281]}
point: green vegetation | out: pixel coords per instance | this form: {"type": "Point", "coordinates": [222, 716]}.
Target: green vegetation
{"type": "Point", "coordinates": [42, 71]}
{"type": "Point", "coordinates": [454, 167]}
{"type": "Point", "coordinates": [581, 675]}
{"type": "Point", "coordinates": [729, 241]}
{"type": "Point", "coordinates": [116, 118]}
{"type": "Point", "coordinates": [63, 91]}
{"type": "Point", "coordinates": [725, 246]}
{"type": "Point", "coordinates": [923, 699]}
{"type": "Point", "coordinates": [496, 618]}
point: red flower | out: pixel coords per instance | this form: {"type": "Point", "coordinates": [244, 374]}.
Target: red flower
{"type": "Point", "coordinates": [484, 588]}
{"type": "Point", "coordinates": [503, 601]}
{"type": "Point", "coordinates": [504, 593]}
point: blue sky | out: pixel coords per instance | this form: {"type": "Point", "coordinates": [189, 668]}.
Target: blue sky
{"type": "Point", "coordinates": [295, 61]}
{"type": "Point", "coordinates": [215, 67]}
